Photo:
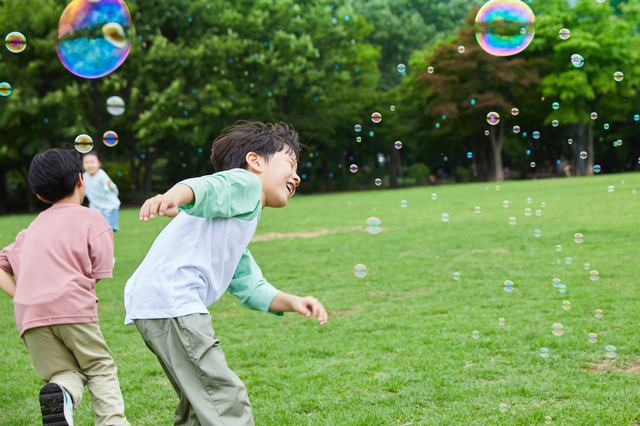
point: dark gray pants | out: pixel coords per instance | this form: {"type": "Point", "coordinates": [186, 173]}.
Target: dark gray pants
{"type": "Point", "coordinates": [210, 393]}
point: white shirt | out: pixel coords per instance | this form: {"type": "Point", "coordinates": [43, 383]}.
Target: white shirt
{"type": "Point", "coordinates": [101, 197]}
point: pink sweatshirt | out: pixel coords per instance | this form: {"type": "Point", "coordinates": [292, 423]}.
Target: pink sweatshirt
{"type": "Point", "coordinates": [56, 262]}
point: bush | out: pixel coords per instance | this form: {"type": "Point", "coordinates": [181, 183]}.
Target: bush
{"type": "Point", "coordinates": [420, 172]}
{"type": "Point", "coordinates": [463, 174]}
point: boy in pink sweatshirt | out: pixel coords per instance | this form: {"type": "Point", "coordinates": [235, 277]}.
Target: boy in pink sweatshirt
{"type": "Point", "coordinates": [51, 271]}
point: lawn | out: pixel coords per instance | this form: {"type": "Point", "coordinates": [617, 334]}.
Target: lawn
{"type": "Point", "coordinates": [398, 347]}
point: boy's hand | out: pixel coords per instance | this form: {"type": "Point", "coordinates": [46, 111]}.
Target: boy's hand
{"type": "Point", "coordinates": [161, 204]}
{"type": "Point", "coordinates": [310, 306]}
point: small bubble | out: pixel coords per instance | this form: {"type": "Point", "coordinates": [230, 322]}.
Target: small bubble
{"type": "Point", "coordinates": [566, 305]}
{"type": "Point", "coordinates": [403, 204]}
{"type": "Point", "coordinates": [353, 168]}
{"type": "Point", "coordinates": [83, 143]}
{"type": "Point", "coordinates": [434, 196]}
{"type": "Point", "coordinates": [512, 220]}
{"type": "Point", "coordinates": [593, 337]}
{"type": "Point", "coordinates": [505, 203]}
{"type": "Point", "coordinates": [537, 233]}
{"type": "Point", "coordinates": [430, 70]}
{"type": "Point", "coordinates": [508, 286]}
{"type": "Point", "coordinates": [555, 105]}
{"type": "Point", "coordinates": [461, 49]}
{"type": "Point", "coordinates": [610, 188]}
{"type": "Point", "coordinates": [357, 128]}
{"type": "Point", "coordinates": [378, 181]}
{"type": "Point", "coordinates": [593, 115]}
{"type": "Point", "coordinates": [536, 135]}
{"type": "Point", "coordinates": [477, 210]}
{"type": "Point", "coordinates": [401, 68]}
{"type": "Point", "coordinates": [538, 212]}
{"type": "Point", "coordinates": [557, 329]}
{"type": "Point", "coordinates": [360, 270]}
{"type": "Point", "coordinates": [515, 111]}
{"type": "Point", "coordinates": [444, 217]}
{"type": "Point", "coordinates": [567, 260]}
{"type": "Point", "coordinates": [562, 288]}
{"type": "Point", "coordinates": [456, 276]}
{"type": "Point", "coordinates": [618, 76]}
{"type": "Point", "coordinates": [373, 225]}
{"type": "Point", "coordinates": [527, 211]}
{"type": "Point", "coordinates": [493, 118]}
{"type": "Point", "coordinates": [598, 313]}
{"type": "Point", "coordinates": [376, 117]}
{"type": "Point", "coordinates": [610, 351]}
{"type": "Point", "coordinates": [558, 247]}
{"type": "Point", "coordinates": [544, 352]}
{"type": "Point", "coordinates": [556, 282]}
{"type": "Point", "coordinates": [503, 407]}
{"type": "Point", "coordinates": [501, 321]}
{"type": "Point", "coordinates": [593, 275]}
{"type": "Point", "coordinates": [475, 334]}
{"type": "Point", "coordinates": [398, 144]}
{"type": "Point", "coordinates": [547, 419]}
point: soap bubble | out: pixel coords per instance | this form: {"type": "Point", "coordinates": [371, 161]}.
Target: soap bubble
{"type": "Point", "coordinates": [593, 115]}
{"type": "Point", "coordinates": [493, 118]}
{"type": "Point", "coordinates": [378, 181]}
{"type": "Point", "coordinates": [444, 217]}
{"type": "Point", "coordinates": [578, 237]}
{"type": "Point", "coordinates": [469, 154]}
{"type": "Point", "coordinates": [475, 334]}
{"type": "Point", "coordinates": [593, 337]}
{"type": "Point", "coordinates": [508, 286]}
{"type": "Point", "coordinates": [610, 188]}
{"type": "Point", "coordinates": [557, 329]}
{"type": "Point", "coordinates": [497, 187]}
{"type": "Point", "coordinates": [512, 220]}
{"type": "Point", "coordinates": [556, 282]}
{"type": "Point", "coordinates": [456, 276]}
{"type": "Point", "coordinates": [353, 168]}
{"type": "Point", "coordinates": [583, 155]}
{"type": "Point", "coordinates": [536, 135]}
{"type": "Point", "coordinates": [515, 111]}
{"type": "Point", "coordinates": [547, 419]}
{"type": "Point", "coordinates": [566, 305]}
{"type": "Point", "coordinates": [373, 225]}
{"type": "Point", "coordinates": [505, 203]}
{"type": "Point", "coordinates": [570, 141]}
{"type": "Point", "coordinates": [357, 128]}
{"type": "Point", "coordinates": [555, 105]}
{"type": "Point", "coordinates": [555, 123]}
{"type": "Point", "coordinates": [577, 60]}
{"type": "Point", "coordinates": [538, 212]}
{"type": "Point", "coordinates": [360, 270]}
{"type": "Point", "coordinates": [505, 27]}
{"type": "Point", "coordinates": [486, 133]}
{"type": "Point", "coordinates": [403, 204]}
{"type": "Point", "coordinates": [529, 200]}
{"type": "Point", "coordinates": [503, 407]}
{"type": "Point", "coordinates": [516, 129]}
{"type": "Point", "coordinates": [376, 117]}
{"type": "Point", "coordinates": [544, 352]}
{"type": "Point", "coordinates": [527, 211]}
{"type": "Point", "coordinates": [610, 351]}
{"type": "Point", "coordinates": [606, 126]}
{"type": "Point", "coordinates": [562, 288]}
{"type": "Point", "coordinates": [537, 233]}
{"type": "Point", "coordinates": [434, 196]}
{"type": "Point", "coordinates": [461, 49]}
{"type": "Point", "coordinates": [558, 247]}
{"type": "Point", "coordinates": [5, 89]}
{"type": "Point", "coordinates": [501, 321]}
{"type": "Point", "coordinates": [564, 33]}
{"type": "Point", "coordinates": [110, 138]}
{"type": "Point", "coordinates": [473, 102]}
{"type": "Point", "coordinates": [594, 275]}
{"type": "Point", "coordinates": [398, 144]}
{"type": "Point", "coordinates": [587, 266]}
{"type": "Point", "coordinates": [358, 139]}
{"type": "Point", "coordinates": [83, 143]}
{"type": "Point", "coordinates": [115, 105]}
{"type": "Point", "coordinates": [597, 168]}
{"type": "Point", "coordinates": [598, 313]}
{"type": "Point", "coordinates": [543, 204]}
{"type": "Point", "coordinates": [401, 68]}
{"type": "Point", "coordinates": [430, 70]}
{"type": "Point", "coordinates": [532, 164]}
{"type": "Point", "coordinates": [392, 108]}
{"type": "Point", "coordinates": [16, 42]}
{"type": "Point", "coordinates": [618, 76]}
{"type": "Point", "coordinates": [94, 38]}
{"type": "Point", "coordinates": [477, 210]}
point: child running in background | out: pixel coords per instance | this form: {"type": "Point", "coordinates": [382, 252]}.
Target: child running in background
{"type": "Point", "coordinates": [57, 262]}
{"type": "Point", "coordinates": [101, 191]}
{"type": "Point", "coordinates": [201, 254]}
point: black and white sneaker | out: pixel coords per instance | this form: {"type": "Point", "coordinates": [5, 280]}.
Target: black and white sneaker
{"type": "Point", "coordinates": [56, 406]}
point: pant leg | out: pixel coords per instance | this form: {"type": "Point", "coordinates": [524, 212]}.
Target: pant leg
{"type": "Point", "coordinates": [188, 348]}
{"type": "Point", "coordinates": [54, 362]}
{"type": "Point", "coordinates": [87, 344]}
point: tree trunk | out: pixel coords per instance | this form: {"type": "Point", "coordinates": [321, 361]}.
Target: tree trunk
{"type": "Point", "coordinates": [578, 148]}
{"type": "Point", "coordinates": [395, 170]}
{"type": "Point", "coordinates": [496, 148]}
{"type": "Point", "coordinates": [135, 177]}
{"type": "Point", "coordinates": [590, 152]}
{"type": "Point", "coordinates": [147, 179]}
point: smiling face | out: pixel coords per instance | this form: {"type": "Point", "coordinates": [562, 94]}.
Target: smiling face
{"type": "Point", "coordinates": [278, 176]}
{"type": "Point", "coordinates": [91, 164]}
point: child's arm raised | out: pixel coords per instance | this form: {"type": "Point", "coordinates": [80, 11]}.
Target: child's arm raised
{"type": "Point", "coordinates": [167, 204]}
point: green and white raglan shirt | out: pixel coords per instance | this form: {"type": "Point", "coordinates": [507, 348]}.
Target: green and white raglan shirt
{"type": "Point", "coordinates": [203, 252]}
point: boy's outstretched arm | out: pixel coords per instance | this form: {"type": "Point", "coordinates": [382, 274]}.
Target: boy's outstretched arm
{"type": "Point", "coordinates": [307, 306]}
{"type": "Point", "coordinates": [167, 204]}
{"type": "Point", "coordinates": [7, 283]}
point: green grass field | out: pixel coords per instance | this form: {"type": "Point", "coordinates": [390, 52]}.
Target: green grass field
{"type": "Point", "coordinates": [398, 347]}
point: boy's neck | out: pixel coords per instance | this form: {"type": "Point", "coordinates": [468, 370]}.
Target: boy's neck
{"type": "Point", "coordinates": [75, 198]}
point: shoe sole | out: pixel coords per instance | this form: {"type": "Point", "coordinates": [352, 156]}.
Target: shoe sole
{"type": "Point", "coordinates": [52, 405]}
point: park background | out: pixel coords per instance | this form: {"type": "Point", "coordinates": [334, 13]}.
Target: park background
{"type": "Point", "coordinates": [198, 66]}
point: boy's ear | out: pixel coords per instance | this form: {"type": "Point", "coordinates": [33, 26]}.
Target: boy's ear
{"type": "Point", "coordinates": [80, 182]}
{"type": "Point", "coordinates": [254, 162]}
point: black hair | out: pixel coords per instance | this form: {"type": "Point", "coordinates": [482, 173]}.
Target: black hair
{"type": "Point", "coordinates": [95, 154]}
{"type": "Point", "coordinates": [230, 149]}
{"type": "Point", "coordinates": [53, 174]}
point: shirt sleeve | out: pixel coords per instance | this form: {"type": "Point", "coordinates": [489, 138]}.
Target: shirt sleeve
{"type": "Point", "coordinates": [5, 265]}
{"type": "Point", "coordinates": [101, 254]}
{"type": "Point", "coordinates": [105, 184]}
{"type": "Point", "coordinates": [250, 287]}
{"type": "Point", "coordinates": [232, 193]}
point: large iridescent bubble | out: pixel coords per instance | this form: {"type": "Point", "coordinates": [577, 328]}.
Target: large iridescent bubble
{"type": "Point", "coordinates": [94, 38]}
{"type": "Point", "coordinates": [505, 27]}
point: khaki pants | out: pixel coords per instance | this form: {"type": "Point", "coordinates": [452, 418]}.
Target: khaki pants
{"type": "Point", "coordinates": [210, 393]}
{"type": "Point", "coordinates": [75, 355]}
